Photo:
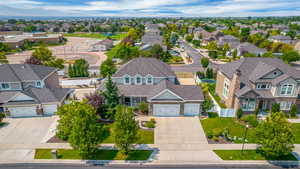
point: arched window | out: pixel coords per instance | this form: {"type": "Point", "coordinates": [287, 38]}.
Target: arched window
{"type": "Point", "coordinates": [138, 80]}
{"type": "Point", "coordinates": [127, 80]}
{"type": "Point", "coordinates": [149, 79]}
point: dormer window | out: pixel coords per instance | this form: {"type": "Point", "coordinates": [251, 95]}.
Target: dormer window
{"type": "Point", "coordinates": [149, 79]}
{"type": "Point", "coordinates": [263, 86]}
{"type": "Point", "coordinates": [38, 84]}
{"type": "Point", "coordinates": [127, 80]}
{"type": "Point", "coordinates": [138, 80]}
{"type": "Point", "coordinates": [5, 86]}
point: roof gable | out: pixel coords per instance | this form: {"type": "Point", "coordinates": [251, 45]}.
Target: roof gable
{"type": "Point", "coordinates": [21, 97]}
{"type": "Point", "coordinates": [166, 95]}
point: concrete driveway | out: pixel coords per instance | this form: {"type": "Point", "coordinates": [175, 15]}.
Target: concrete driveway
{"type": "Point", "coordinates": [179, 130]}
{"type": "Point", "coordinates": [25, 130]}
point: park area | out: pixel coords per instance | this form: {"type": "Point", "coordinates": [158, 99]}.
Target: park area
{"type": "Point", "coordinates": [115, 36]}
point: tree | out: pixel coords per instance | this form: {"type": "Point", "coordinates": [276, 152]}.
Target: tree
{"type": "Point", "coordinates": [293, 111]}
{"type": "Point", "coordinates": [245, 32]}
{"type": "Point", "coordinates": [212, 46]}
{"type": "Point", "coordinates": [292, 34]}
{"type": "Point", "coordinates": [213, 54]}
{"type": "Point", "coordinates": [275, 108]}
{"type": "Point", "coordinates": [143, 107]}
{"type": "Point", "coordinates": [268, 55]}
{"type": "Point", "coordinates": [33, 60]}
{"type": "Point", "coordinates": [290, 56]}
{"type": "Point", "coordinates": [3, 59]}
{"type": "Point", "coordinates": [207, 105]}
{"type": "Point", "coordinates": [96, 100]}
{"type": "Point", "coordinates": [239, 113]}
{"type": "Point", "coordinates": [274, 136]}
{"type": "Point", "coordinates": [108, 68]}
{"type": "Point", "coordinates": [111, 96]}
{"type": "Point", "coordinates": [79, 69]}
{"type": "Point", "coordinates": [189, 38]}
{"type": "Point", "coordinates": [204, 62]}
{"type": "Point", "coordinates": [125, 129]}
{"type": "Point", "coordinates": [2, 116]}
{"type": "Point", "coordinates": [4, 47]}
{"type": "Point", "coordinates": [44, 55]}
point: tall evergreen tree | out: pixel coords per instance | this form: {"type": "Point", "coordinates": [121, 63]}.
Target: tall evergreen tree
{"type": "Point", "coordinates": [111, 96]}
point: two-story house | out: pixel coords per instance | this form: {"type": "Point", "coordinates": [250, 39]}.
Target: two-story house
{"type": "Point", "coordinates": [30, 90]}
{"type": "Point", "coordinates": [153, 81]}
{"type": "Point", "coordinates": [252, 83]}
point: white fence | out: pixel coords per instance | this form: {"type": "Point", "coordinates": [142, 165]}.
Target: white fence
{"type": "Point", "coordinates": [78, 82]}
{"type": "Point", "coordinates": [221, 112]}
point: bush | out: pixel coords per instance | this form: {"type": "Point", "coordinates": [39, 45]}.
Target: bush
{"type": "Point", "coordinates": [275, 108]}
{"type": "Point", "coordinates": [204, 62]}
{"type": "Point", "coordinates": [251, 119]}
{"type": "Point", "coordinates": [2, 116]}
{"type": "Point", "coordinates": [239, 113]}
{"type": "Point", "coordinates": [212, 115]}
{"type": "Point", "coordinates": [143, 107]}
{"type": "Point", "coordinates": [210, 134]}
{"type": "Point", "coordinates": [217, 132]}
{"type": "Point", "coordinates": [293, 111]}
{"type": "Point", "coordinates": [151, 123]}
{"type": "Point", "coordinates": [215, 138]}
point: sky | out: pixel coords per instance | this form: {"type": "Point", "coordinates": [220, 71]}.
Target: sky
{"type": "Point", "coordinates": [150, 8]}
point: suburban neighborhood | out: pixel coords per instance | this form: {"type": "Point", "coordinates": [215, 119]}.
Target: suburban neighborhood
{"type": "Point", "coordinates": [149, 91]}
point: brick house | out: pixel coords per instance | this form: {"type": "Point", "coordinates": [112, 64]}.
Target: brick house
{"type": "Point", "coordinates": [252, 83]}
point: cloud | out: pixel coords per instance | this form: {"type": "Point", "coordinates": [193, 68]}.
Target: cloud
{"type": "Point", "coordinates": [141, 8]}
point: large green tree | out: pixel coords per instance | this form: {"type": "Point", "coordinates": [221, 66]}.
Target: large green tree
{"type": "Point", "coordinates": [78, 125]}
{"type": "Point", "coordinates": [274, 135]}
{"type": "Point", "coordinates": [108, 68]}
{"type": "Point", "coordinates": [44, 55]}
{"type": "Point", "coordinates": [79, 68]}
{"type": "Point", "coordinates": [111, 96]}
{"type": "Point", "coordinates": [125, 128]}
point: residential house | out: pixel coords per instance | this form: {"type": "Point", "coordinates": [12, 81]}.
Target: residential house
{"type": "Point", "coordinates": [258, 83]}
{"type": "Point", "coordinates": [247, 47]}
{"type": "Point", "coordinates": [281, 38]}
{"type": "Point", "coordinates": [30, 90]}
{"type": "Point", "coordinates": [232, 41]}
{"type": "Point", "coordinates": [152, 36]}
{"type": "Point", "coordinates": [103, 45]}
{"type": "Point", "coordinates": [153, 81]}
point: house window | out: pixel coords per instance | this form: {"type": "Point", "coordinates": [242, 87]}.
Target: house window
{"type": "Point", "coordinates": [38, 84]}
{"type": "Point", "coordinates": [149, 80]}
{"type": "Point", "coordinates": [286, 89]}
{"type": "Point", "coordinates": [248, 104]}
{"type": "Point", "coordinates": [263, 86]}
{"type": "Point", "coordinates": [138, 80]}
{"type": "Point", "coordinates": [226, 88]}
{"type": "Point", "coordinates": [127, 80]}
{"type": "Point", "coordinates": [285, 105]}
{"type": "Point", "coordinates": [5, 86]}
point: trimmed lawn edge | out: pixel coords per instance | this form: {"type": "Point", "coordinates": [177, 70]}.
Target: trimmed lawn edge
{"type": "Point", "coordinates": [70, 154]}
{"type": "Point", "coordinates": [249, 155]}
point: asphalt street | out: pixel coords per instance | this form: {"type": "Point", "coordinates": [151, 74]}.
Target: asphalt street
{"type": "Point", "coordinates": [59, 166]}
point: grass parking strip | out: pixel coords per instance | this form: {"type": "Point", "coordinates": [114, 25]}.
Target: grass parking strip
{"type": "Point", "coordinates": [70, 154]}
{"type": "Point", "coordinates": [249, 155]}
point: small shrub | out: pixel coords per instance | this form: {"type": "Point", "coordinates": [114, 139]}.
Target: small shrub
{"type": "Point", "coordinates": [293, 111]}
{"type": "Point", "coordinates": [2, 116]}
{"type": "Point", "coordinates": [153, 120]}
{"type": "Point", "coordinates": [212, 115]}
{"type": "Point", "coordinates": [215, 138]}
{"type": "Point", "coordinates": [210, 134]}
{"type": "Point", "coordinates": [275, 108]}
{"type": "Point", "coordinates": [251, 119]}
{"type": "Point", "coordinates": [239, 113]}
{"type": "Point", "coordinates": [143, 107]}
{"type": "Point", "coordinates": [217, 132]}
{"type": "Point", "coordinates": [151, 123]}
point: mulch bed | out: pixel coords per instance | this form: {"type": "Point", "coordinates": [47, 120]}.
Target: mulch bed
{"type": "Point", "coordinates": [55, 139]}
{"type": "Point", "coordinates": [221, 140]}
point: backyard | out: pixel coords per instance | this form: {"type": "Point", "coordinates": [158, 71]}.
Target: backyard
{"type": "Point", "coordinates": [98, 155]}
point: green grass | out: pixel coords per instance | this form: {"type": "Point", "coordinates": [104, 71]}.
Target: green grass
{"type": "Point", "coordinates": [117, 36]}
{"type": "Point", "coordinates": [235, 128]}
{"type": "Point", "coordinates": [248, 155]}
{"type": "Point", "coordinates": [296, 131]}
{"type": "Point", "coordinates": [99, 154]}
{"type": "Point", "coordinates": [2, 124]}
{"type": "Point", "coordinates": [146, 136]}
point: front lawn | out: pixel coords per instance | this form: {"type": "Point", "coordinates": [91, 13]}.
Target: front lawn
{"type": "Point", "coordinates": [296, 131]}
{"type": "Point", "coordinates": [146, 136]}
{"type": "Point", "coordinates": [99, 155]}
{"type": "Point", "coordinates": [248, 155]}
{"type": "Point", "coordinates": [236, 130]}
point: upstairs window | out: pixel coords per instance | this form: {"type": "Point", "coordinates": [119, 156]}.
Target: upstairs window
{"type": "Point", "coordinates": [263, 86]}
{"type": "Point", "coordinates": [138, 80]}
{"type": "Point", "coordinates": [226, 88]}
{"type": "Point", "coordinates": [149, 80]}
{"type": "Point", "coordinates": [38, 84]}
{"type": "Point", "coordinates": [286, 89]}
{"type": "Point", "coordinates": [5, 86]}
{"type": "Point", "coordinates": [127, 80]}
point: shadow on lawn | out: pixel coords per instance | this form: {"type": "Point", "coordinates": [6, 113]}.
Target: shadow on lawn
{"type": "Point", "coordinates": [285, 163]}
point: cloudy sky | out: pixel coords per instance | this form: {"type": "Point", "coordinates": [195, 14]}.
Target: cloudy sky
{"type": "Point", "coordinates": [139, 8]}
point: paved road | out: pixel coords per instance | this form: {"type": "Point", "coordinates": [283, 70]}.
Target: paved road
{"type": "Point", "coordinates": [53, 166]}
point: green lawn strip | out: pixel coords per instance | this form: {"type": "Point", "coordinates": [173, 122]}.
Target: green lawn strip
{"type": "Point", "coordinates": [118, 36]}
{"type": "Point", "coordinates": [99, 154]}
{"type": "Point", "coordinates": [248, 155]}
{"type": "Point", "coordinates": [86, 35]}
{"type": "Point", "coordinates": [296, 131]}
{"type": "Point", "coordinates": [234, 128]}
{"type": "Point", "coordinates": [146, 136]}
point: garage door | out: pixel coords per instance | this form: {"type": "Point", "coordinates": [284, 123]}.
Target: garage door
{"type": "Point", "coordinates": [191, 109]}
{"type": "Point", "coordinates": [22, 111]}
{"type": "Point", "coordinates": [50, 109]}
{"type": "Point", "coordinates": [166, 110]}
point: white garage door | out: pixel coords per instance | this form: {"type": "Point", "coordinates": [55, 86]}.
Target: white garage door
{"type": "Point", "coordinates": [22, 111]}
{"type": "Point", "coordinates": [50, 109]}
{"type": "Point", "coordinates": [191, 109]}
{"type": "Point", "coordinates": [166, 110]}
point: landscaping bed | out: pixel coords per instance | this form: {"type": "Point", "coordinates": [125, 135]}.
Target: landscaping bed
{"type": "Point", "coordinates": [249, 155]}
{"type": "Point", "coordinates": [215, 128]}
{"type": "Point", "coordinates": [99, 154]}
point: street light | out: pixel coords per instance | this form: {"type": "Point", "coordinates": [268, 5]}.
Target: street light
{"type": "Point", "coordinates": [247, 126]}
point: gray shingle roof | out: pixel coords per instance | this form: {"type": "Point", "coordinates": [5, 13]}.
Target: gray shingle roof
{"type": "Point", "coordinates": [145, 66]}
{"type": "Point", "coordinates": [24, 72]}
